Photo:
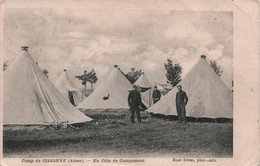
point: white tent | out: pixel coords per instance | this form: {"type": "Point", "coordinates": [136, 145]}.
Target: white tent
{"type": "Point", "coordinates": [67, 89]}
{"type": "Point", "coordinates": [144, 83]}
{"type": "Point", "coordinates": [112, 93]}
{"type": "Point", "coordinates": [31, 99]}
{"type": "Point", "coordinates": [161, 88]}
{"type": "Point", "coordinates": [208, 95]}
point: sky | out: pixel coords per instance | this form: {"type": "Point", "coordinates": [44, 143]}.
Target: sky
{"type": "Point", "coordinates": [82, 39]}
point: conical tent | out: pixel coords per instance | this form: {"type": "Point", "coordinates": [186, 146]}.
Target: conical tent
{"type": "Point", "coordinates": [67, 89]}
{"type": "Point", "coordinates": [112, 93]}
{"type": "Point", "coordinates": [145, 84]}
{"type": "Point", "coordinates": [208, 95]}
{"type": "Point", "coordinates": [31, 99]}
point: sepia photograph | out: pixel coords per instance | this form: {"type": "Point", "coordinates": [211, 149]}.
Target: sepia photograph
{"type": "Point", "coordinates": [117, 83]}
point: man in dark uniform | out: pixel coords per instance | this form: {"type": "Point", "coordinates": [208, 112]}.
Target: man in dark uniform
{"type": "Point", "coordinates": [134, 102]}
{"type": "Point", "coordinates": [181, 102]}
{"type": "Point", "coordinates": [156, 95]}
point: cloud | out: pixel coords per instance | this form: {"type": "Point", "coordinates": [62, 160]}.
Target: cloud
{"type": "Point", "coordinates": [151, 58]}
{"type": "Point", "coordinates": [189, 33]}
{"type": "Point", "coordinates": [180, 30]}
{"type": "Point", "coordinates": [226, 63]}
{"type": "Point", "coordinates": [103, 49]}
{"type": "Point", "coordinates": [213, 54]}
{"type": "Point", "coordinates": [186, 62]}
{"type": "Point", "coordinates": [80, 54]}
{"type": "Point", "coordinates": [187, 57]}
{"type": "Point", "coordinates": [181, 51]}
{"type": "Point", "coordinates": [201, 38]}
{"type": "Point", "coordinates": [180, 54]}
{"type": "Point", "coordinates": [130, 38]}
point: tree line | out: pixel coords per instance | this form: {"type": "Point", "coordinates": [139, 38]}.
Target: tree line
{"type": "Point", "coordinates": [173, 73]}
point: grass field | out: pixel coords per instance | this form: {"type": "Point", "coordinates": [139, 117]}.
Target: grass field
{"type": "Point", "coordinates": [112, 135]}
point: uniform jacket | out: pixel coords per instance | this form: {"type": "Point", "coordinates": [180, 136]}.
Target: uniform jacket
{"type": "Point", "coordinates": [181, 98]}
{"type": "Point", "coordinates": [134, 99]}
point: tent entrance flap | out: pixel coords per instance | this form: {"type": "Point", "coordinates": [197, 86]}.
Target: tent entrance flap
{"type": "Point", "coordinates": [71, 98]}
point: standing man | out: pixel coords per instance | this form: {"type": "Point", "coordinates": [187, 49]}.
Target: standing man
{"type": "Point", "coordinates": [156, 95]}
{"type": "Point", "coordinates": [181, 102]}
{"type": "Point", "coordinates": [134, 102]}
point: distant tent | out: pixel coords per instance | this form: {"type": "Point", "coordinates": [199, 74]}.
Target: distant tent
{"type": "Point", "coordinates": [159, 87]}
{"type": "Point", "coordinates": [168, 86]}
{"type": "Point", "coordinates": [31, 99]}
{"type": "Point", "coordinates": [146, 92]}
{"type": "Point", "coordinates": [162, 89]}
{"type": "Point", "coordinates": [67, 89]}
{"type": "Point", "coordinates": [208, 95]}
{"type": "Point", "coordinates": [112, 93]}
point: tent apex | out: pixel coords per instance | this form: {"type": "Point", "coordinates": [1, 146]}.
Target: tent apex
{"type": "Point", "coordinates": [203, 56]}
{"type": "Point", "coordinates": [25, 48]}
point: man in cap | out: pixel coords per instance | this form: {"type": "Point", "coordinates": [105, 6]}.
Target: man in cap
{"type": "Point", "coordinates": [156, 95]}
{"type": "Point", "coordinates": [134, 102]}
{"type": "Point", "coordinates": [181, 102]}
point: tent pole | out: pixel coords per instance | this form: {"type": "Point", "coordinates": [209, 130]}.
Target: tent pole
{"type": "Point", "coordinates": [82, 95]}
{"type": "Point", "coordinates": [150, 97]}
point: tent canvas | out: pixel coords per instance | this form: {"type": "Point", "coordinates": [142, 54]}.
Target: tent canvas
{"type": "Point", "coordinates": [143, 82]}
{"type": "Point", "coordinates": [162, 89]}
{"type": "Point", "coordinates": [111, 93]}
{"type": "Point", "coordinates": [67, 88]}
{"type": "Point", "coordinates": [31, 99]}
{"type": "Point", "coordinates": [208, 95]}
